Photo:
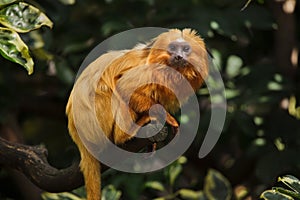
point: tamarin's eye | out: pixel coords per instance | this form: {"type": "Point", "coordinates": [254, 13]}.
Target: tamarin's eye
{"type": "Point", "coordinates": [179, 48]}
{"type": "Point", "coordinates": [186, 48]}
{"type": "Point", "coordinates": [172, 47]}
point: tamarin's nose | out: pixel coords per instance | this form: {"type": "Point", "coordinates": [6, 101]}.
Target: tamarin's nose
{"type": "Point", "coordinates": [178, 57]}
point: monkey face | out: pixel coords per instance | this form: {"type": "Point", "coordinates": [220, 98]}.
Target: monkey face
{"type": "Point", "coordinates": [182, 50]}
{"type": "Point", "coordinates": [179, 51]}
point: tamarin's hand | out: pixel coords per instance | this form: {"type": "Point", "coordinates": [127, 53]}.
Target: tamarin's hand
{"type": "Point", "coordinates": [120, 107]}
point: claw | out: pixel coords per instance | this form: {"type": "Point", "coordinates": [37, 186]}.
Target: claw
{"type": "Point", "coordinates": [154, 146]}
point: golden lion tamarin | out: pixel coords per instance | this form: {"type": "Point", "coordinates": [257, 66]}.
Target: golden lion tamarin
{"type": "Point", "coordinates": [183, 51]}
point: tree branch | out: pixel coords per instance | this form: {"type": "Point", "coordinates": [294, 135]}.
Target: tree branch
{"type": "Point", "coordinates": [32, 161]}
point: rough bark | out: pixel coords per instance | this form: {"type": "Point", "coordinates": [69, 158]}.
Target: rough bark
{"type": "Point", "coordinates": [32, 161]}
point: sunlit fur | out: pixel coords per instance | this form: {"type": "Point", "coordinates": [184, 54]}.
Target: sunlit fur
{"type": "Point", "coordinates": [123, 71]}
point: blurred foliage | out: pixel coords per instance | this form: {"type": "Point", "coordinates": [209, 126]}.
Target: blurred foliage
{"type": "Point", "coordinates": [160, 185]}
{"type": "Point", "coordinates": [109, 192]}
{"type": "Point", "coordinates": [260, 139]}
{"type": "Point", "coordinates": [281, 193]}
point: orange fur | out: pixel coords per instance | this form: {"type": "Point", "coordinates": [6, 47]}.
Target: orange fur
{"type": "Point", "coordinates": [124, 70]}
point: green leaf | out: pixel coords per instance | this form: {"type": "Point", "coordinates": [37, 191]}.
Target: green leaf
{"type": "Point", "coordinates": [231, 93]}
{"type": "Point", "coordinates": [155, 185]}
{"type": "Point", "coordinates": [272, 85]}
{"type": "Point", "coordinates": [293, 109]}
{"type": "Point", "coordinates": [175, 170]}
{"type": "Point", "coordinates": [182, 160]}
{"type": "Point", "coordinates": [64, 73]}
{"type": "Point", "coordinates": [234, 64]}
{"type": "Point", "coordinates": [273, 195]}
{"type": "Point", "coordinates": [110, 193]}
{"type": "Point", "coordinates": [216, 186]}
{"type": "Point", "coordinates": [14, 49]}
{"type": "Point", "coordinates": [290, 193]}
{"type": "Point", "coordinates": [35, 40]}
{"type": "Point", "coordinates": [6, 2]}
{"type": "Point", "coordinates": [291, 181]}
{"type": "Point", "coordinates": [217, 58]}
{"type": "Point", "coordinates": [60, 196]}
{"type": "Point", "coordinates": [81, 192]}
{"type": "Point", "coordinates": [42, 54]}
{"type": "Point", "coordinates": [191, 194]}
{"type": "Point", "coordinates": [68, 2]}
{"type": "Point", "coordinates": [23, 17]}
{"type": "Point", "coordinates": [246, 5]}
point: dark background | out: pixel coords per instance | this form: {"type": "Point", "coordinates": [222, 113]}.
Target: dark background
{"type": "Point", "coordinates": [255, 49]}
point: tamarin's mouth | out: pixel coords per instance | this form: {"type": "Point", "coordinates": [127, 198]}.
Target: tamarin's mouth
{"type": "Point", "coordinates": [178, 61]}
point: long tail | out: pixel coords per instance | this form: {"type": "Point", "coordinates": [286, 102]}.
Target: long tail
{"type": "Point", "coordinates": [91, 170]}
{"type": "Point", "coordinates": [89, 165]}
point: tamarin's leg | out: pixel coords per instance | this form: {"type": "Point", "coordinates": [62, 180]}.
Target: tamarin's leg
{"type": "Point", "coordinates": [146, 119]}
{"type": "Point", "coordinates": [172, 121]}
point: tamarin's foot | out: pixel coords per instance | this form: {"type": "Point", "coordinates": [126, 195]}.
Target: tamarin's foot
{"type": "Point", "coordinates": [161, 135]}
